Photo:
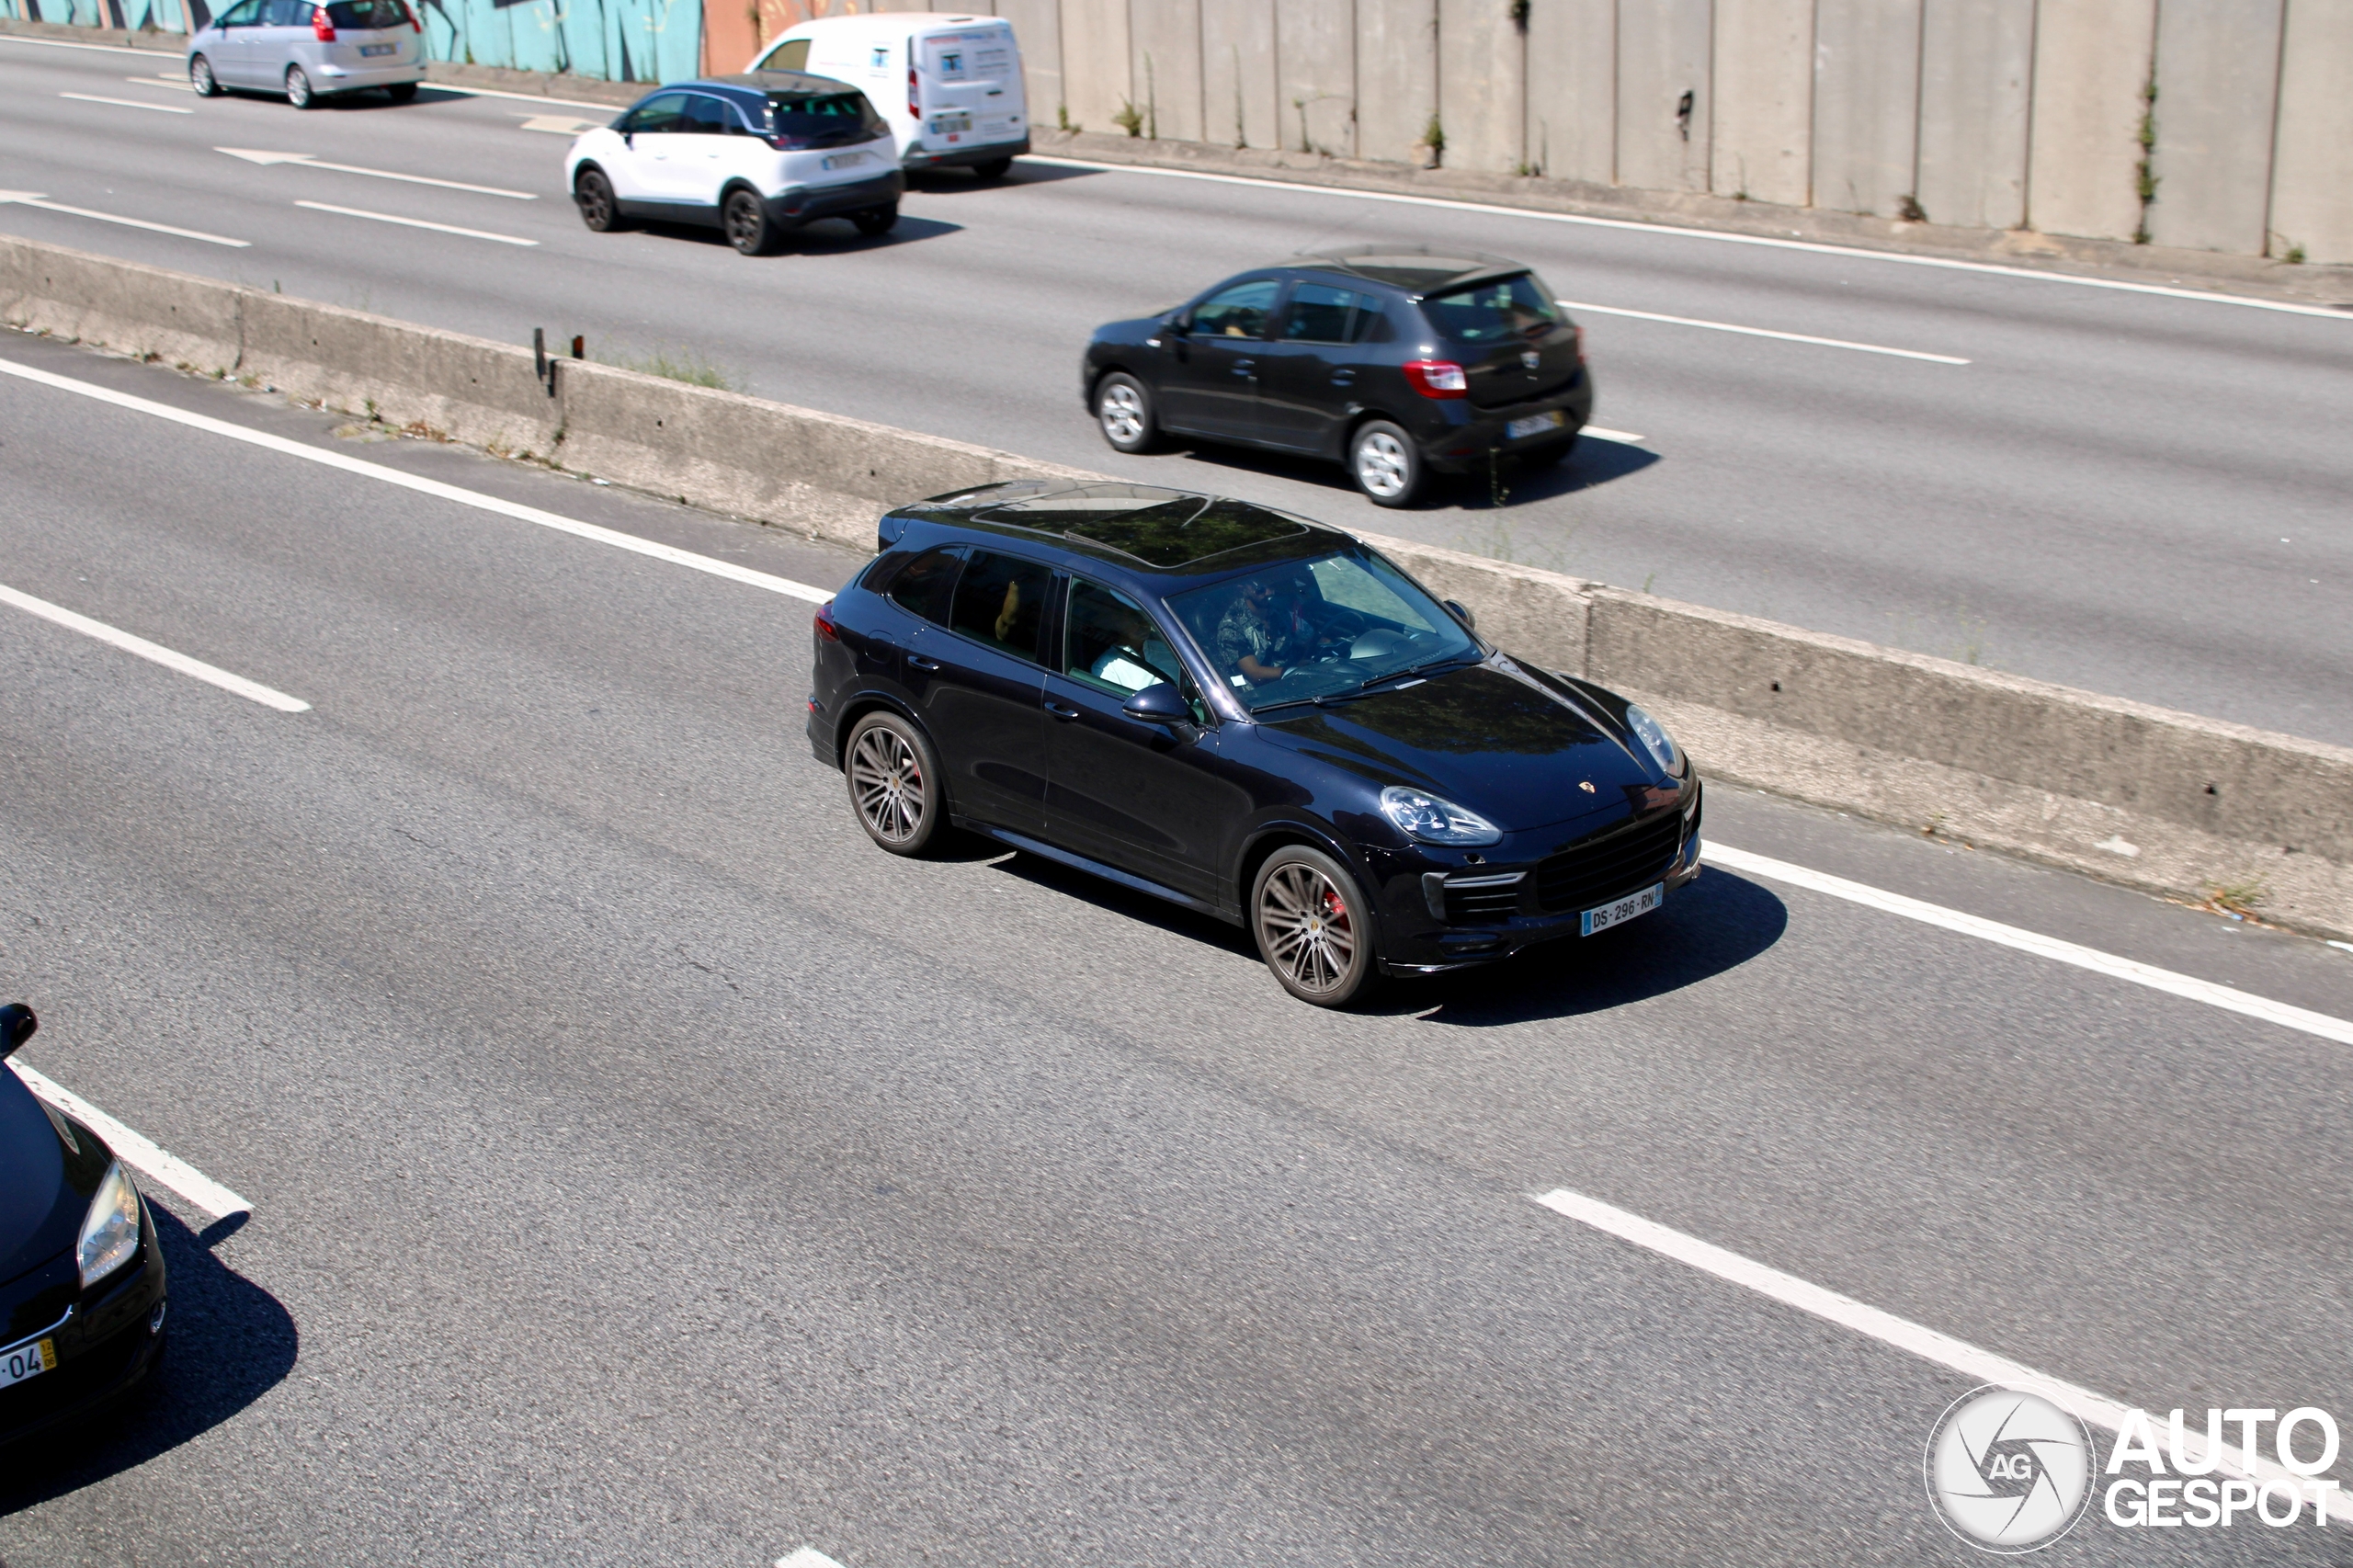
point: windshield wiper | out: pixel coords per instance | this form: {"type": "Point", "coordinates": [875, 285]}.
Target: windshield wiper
{"type": "Point", "coordinates": [1423, 668]}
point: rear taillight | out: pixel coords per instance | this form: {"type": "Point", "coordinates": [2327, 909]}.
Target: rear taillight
{"type": "Point", "coordinates": [914, 93]}
{"type": "Point", "coordinates": [1436, 378]}
{"type": "Point", "coordinates": [826, 630]}
{"type": "Point", "coordinates": [413, 19]}
{"type": "Point", "coordinates": [321, 29]}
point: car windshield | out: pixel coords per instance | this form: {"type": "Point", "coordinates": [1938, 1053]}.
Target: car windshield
{"type": "Point", "coordinates": [1490, 312]}
{"type": "Point", "coordinates": [363, 15]}
{"type": "Point", "coordinates": [822, 120]}
{"type": "Point", "coordinates": [1323, 629]}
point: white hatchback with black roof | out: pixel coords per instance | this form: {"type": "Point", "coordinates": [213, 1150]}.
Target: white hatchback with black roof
{"type": "Point", "coordinates": [757, 155]}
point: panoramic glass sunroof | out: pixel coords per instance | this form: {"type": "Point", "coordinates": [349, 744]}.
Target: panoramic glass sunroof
{"type": "Point", "coordinates": [1159, 527]}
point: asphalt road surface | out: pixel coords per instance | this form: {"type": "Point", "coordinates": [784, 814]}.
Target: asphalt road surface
{"type": "Point", "coordinates": [2136, 494]}
{"type": "Point", "coordinates": [646, 1168]}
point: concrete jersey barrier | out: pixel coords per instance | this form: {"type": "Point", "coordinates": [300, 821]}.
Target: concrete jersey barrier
{"type": "Point", "coordinates": [2167, 801]}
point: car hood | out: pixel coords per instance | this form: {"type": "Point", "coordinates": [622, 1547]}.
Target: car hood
{"type": "Point", "coordinates": [1492, 737]}
{"type": "Point", "coordinates": [40, 1207]}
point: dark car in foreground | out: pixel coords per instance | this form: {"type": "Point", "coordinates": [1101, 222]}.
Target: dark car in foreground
{"type": "Point", "coordinates": [1245, 713]}
{"type": "Point", "coordinates": [1396, 362]}
{"type": "Point", "coordinates": [81, 1279]}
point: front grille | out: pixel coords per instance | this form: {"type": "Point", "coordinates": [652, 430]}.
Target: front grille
{"type": "Point", "coordinates": [1598, 870]}
{"type": "Point", "coordinates": [1475, 900]}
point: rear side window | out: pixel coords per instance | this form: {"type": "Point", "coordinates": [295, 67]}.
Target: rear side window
{"type": "Point", "coordinates": [1490, 312]}
{"type": "Point", "coordinates": [658, 116]}
{"type": "Point", "coordinates": [364, 15]}
{"type": "Point", "coordinates": [1321, 313]}
{"type": "Point", "coordinates": [1001, 600]}
{"type": "Point", "coordinates": [921, 588]}
{"type": "Point", "coordinates": [799, 120]}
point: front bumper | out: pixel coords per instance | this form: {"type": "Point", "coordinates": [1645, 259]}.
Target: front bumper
{"type": "Point", "coordinates": [1441, 911]}
{"type": "Point", "coordinates": [962, 155]}
{"type": "Point", "coordinates": [806, 203]}
{"type": "Point", "coordinates": [108, 1343]}
{"type": "Point", "coordinates": [1470, 432]}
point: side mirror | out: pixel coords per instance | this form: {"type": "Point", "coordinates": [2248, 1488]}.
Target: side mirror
{"type": "Point", "coordinates": [1456, 608]}
{"type": "Point", "coordinates": [1159, 703]}
{"type": "Point", "coordinates": [1181, 323]}
{"type": "Point", "coordinates": [17, 1025]}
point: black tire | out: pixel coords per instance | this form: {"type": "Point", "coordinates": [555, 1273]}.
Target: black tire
{"type": "Point", "coordinates": [599, 208]}
{"type": "Point", "coordinates": [745, 218]}
{"type": "Point", "coordinates": [402, 92]}
{"type": "Point", "coordinates": [1550, 456]}
{"type": "Point", "coordinates": [1385, 463]}
{"type": "Point", "coordinates": [1314, 926]}
{"type": "Point", "coordinates": [894, 783]}
{"type": "Point", "coordinates": [995, 169]}
{"type": "Point", "coordinates": [299, 91]}
{"type": "Point", "coordinates": [876, 220]}
{"type": "Point", "coordinates": [200, 78]}
{"type": "Point", "coordinates": [1125, 413]}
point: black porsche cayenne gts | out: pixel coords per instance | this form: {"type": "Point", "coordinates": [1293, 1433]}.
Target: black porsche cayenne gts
{"type": "Point", "coordinates": [1245, 713]}
{"type": "Point", "coordinates": [81, 1279]}
{"type": "Point", "coordinates": [1395, 362]}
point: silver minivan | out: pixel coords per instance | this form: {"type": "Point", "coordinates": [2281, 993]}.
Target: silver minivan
{"type": "Point", "coordinates": [310, 51]}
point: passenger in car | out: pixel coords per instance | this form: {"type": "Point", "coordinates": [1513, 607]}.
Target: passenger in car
{"type": "Point", "coordinates": [1137, 657]}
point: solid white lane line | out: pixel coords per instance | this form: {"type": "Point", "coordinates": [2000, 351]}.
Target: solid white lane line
{"type": "Point", "coordinates": [1900, 258]}
{"type": "Point", "coordinates": [558, 124]}
{"type": "Point", "coordinates": [414, 224]}
{"type": "Point", "coordinates": [2226, 998]}
{"type": "Point", "coordinates": [114, 637]}
{"type": "Point", "coordinates": [1764, 332]}
{"type": "Point", "coordinates": [1979, 1366]}
{"type": "Point", "coordinates": [1599, 433]}
{"type": "Point", "coordinates": [35, 198]}
{"type": "Point", "coordinates": [66, 43]}
{"type": "Point", "coordinates": [423, 486]}
{"type": "Point", "coordinates": [175, 82]}
{"type": "Point", "coordinates": [141, 1155]}
{"type": "Point", "coordinates": [126, 103]}
{"type": "Point", "coordinates": [304, 160]}
{"type": "Point", "coordinates": [807, 1557]}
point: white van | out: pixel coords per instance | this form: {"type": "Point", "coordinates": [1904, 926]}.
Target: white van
{"type": "Point", "coordinates": [950, 86]}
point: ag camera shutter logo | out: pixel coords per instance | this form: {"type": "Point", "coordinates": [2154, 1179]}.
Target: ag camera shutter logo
{"type": "Point", "coordinates": [2009, 1471]}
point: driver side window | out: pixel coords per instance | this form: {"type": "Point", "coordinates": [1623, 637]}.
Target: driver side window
{"type": "Point", "coordinates": [1241, 311]}
{"type": "Point", "coordinates": [1111, 644]}
{"type": "Point", "coordinates": [242, 16]}
{"type": "Point", "coordinates": [664, 115]}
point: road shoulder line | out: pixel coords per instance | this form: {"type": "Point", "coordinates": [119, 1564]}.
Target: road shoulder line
{"type": "Point", "coordinates": [141, 1154]}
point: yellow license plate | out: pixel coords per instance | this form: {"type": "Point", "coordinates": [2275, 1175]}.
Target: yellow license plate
{"type": "Point", "coordinates": [28, 1361]}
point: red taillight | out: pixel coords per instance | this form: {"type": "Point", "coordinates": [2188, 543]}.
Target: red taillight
{"type": "Point", "coordinates": [321, 29]}
{"type": "Point", "coordinates": [413, 20]}
{"type": "Point", "coordinates": [914, 93]}
{"type": "Point", "coordinates": [1436, 378]}
{"type": "Point", "coordinates": [825, 627]}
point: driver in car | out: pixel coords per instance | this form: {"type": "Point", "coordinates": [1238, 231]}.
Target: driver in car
{"type": "Point", "coordinates": [1258, 633]}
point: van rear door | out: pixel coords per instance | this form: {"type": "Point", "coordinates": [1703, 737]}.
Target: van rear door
{"type": "Point", "coordinates": [972, 87]}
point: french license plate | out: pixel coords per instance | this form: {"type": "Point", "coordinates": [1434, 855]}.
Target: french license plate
{"type": "Point", "coordinates": [370, 51]}
{"type": "Point", "coordinates": [955, 122]}
{"type": "Point", "coordinates": [1625, 909]}
{"type": "Point", "coordinates": [844, 161]}
{"type": "Point", "coordinates": [28, 1361]}
{"type": "Point", "coordinates": [1534, 424]}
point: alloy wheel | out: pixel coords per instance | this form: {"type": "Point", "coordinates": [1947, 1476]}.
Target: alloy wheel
{"type": "Point", "coordinates": [1382, 465]}
{"type": "Point", "coordinates": [200, 77]}
{"type": "Point", "coordinates": [1122, 411]}
{"type": "Point", "coordinates": [886, 780]}
{"type": "Point", "coordinates": [595, 202]}
{"type": "Point", "coordinates": [298, 87]}
{"type": "Point", "coordinates": [1306, 927]}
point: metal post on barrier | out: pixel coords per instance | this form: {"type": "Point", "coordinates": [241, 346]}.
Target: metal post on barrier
{"type": "Point", "coordinates": [545, 365]}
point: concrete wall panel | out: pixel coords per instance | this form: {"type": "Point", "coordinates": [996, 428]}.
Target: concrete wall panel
{"type": "Point", "coordinates": [2091, 62]}
{"type": "Point", "coordinates": [1038, 28]}
{"type": "Point", "coordinates": [1316, 60]}
{"type": "Point", "coordinates": [1865, 104]}
{"type": "Point", "coordinates": [1663, 53]}
{"type": "Point", "coordinates": [1573, 89]}
{"type": "Point", "coordinates": [2218, 77]}
{"type": "Point", "coordinates": [1396, 76]}
{"type": "Point", "coordinates": [1166, 39]}
{"type": "Point", "coordinates": [2312, 171]}
{"type": "Point", "coordinates": [1479, 86]}
{"type": "Point", "coordinates": [1763, 100]}
{"type": "Point", "coordinates": [1239, 105]}
{"type": "Point", "coordinates": [1095, 56]}
{"type": "Point", "coordinates": [1976, 62]}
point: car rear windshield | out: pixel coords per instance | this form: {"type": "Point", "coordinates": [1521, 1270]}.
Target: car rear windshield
{"type": "Point", "coordinates": [1490, 312]}
{"type": "Point", "coordinates": [822, 120]}
{"type": "Point", "coordinates": [363, 16]}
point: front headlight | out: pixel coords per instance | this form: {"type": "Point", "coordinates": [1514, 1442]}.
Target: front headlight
{"type": "Point", "coordinates": [111, 1230]}
{"type": "Point", "coordinates": [1655, 740]}
{"type": "Point", "coordinates": [1432, 821]}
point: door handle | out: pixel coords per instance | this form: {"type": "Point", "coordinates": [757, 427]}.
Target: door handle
{"type": "Point", "coordinates": [1061, 709]}
{"type": "Point", "coordinates": [1343, 377]}
{"type": "Point", "coordinates": [919, 661]}
{"type": "Point", "coordinates": [1244, 366]}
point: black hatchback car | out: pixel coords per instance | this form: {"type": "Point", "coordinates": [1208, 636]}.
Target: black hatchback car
{"type": "Point", "coordinates": [81, 1279]}
{"type": "Point", "coordinates": [1396, 362]}
{"type": "Point", "coordinates": [1245, 713]}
